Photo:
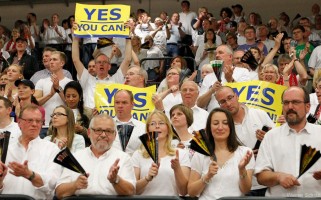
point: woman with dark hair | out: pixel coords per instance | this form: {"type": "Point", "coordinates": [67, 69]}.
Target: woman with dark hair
{"type": "Point", "coordinates": [226, 14]}
{"type": "Point", "coordinates": [26, 89]}
{"type": "Point", "coordinates": [231, 173]}
{"type": "Point", "coordinates": [74, 99]}
{"type": "Point", "coordinates": [62, 130]}
{"type": "Point", "coordinates": [206, 54]}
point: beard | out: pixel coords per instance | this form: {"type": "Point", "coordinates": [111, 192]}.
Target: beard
{"type": "Point", "coordinates": [101, 146]}
{"type": "Point", "coordinates": [293, 120]}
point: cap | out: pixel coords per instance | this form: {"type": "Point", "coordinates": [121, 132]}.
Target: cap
{"type": "Point", "coordinates": [25, 82]}
{"type": "Point", "coordinates": [237, 6]}
{"type": "Point", "coordinates": [21, 39]}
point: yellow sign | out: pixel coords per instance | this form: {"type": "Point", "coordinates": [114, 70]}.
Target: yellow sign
{"type": "Point", "coordinates": [102, 20]}
{"type": "Point", "coordinates": [143, 105]}
{"type": "Point", "coordinates": [262, 95]}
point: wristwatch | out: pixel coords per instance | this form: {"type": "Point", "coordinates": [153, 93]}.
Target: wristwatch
{"type": "Point", "coordinates": [32, 176]}
{"type": "Point", "coordinates": [59, 89]}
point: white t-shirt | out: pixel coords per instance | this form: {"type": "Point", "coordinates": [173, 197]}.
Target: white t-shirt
{"type": "Point", "coordinates": [88, 84]}
{"type": "Point", "coordinates": [14, 130]}
{"type": "Point", "coordinates": [45, 86]}
{"type": "Point", "coordinates": [226, 181]}
{"type": "Point", "coordinates": [134, 141]}
{"type": "Point", "coordinates": [164, 183]}
{"type": "Point", "coordinates": [315, 58]}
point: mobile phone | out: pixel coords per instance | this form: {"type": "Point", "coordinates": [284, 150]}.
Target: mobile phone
{"type": "Point", "coordinates": [258, 142]}
{"type": "Point", "coordinates": [2, 86]}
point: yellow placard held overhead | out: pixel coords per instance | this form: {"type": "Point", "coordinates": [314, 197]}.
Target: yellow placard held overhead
{"type": "Point", "coordinates": [261, 95]}
{"type": "Point", "coordinates": [101, 20]}
{"type": "Point", "coordinates": [143, 105]}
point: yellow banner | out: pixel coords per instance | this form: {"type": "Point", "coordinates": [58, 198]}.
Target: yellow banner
{"type": "Point", "coordinates": [101, 20]}
{"type": "Point", "coordinates": [262, 95]}
{"type": "Point", "coordinates": [143, 105]}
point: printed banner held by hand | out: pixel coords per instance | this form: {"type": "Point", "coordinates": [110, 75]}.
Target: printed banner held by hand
{"type": "Point", "coordinates": [101, 20]}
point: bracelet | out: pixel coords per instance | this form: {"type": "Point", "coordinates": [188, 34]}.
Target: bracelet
{"type": "Point", "coordinates": [204, 181]}
{"type": "Point", "coordinates": [243, 175]}
{"type": "Point", "coordinates": [33, 175]}
{"type": "Point", "coordinates": [148, 180]}
{"type": "Point", "coordinates": [297, 59]}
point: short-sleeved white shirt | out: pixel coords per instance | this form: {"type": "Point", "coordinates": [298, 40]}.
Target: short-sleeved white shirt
{"type": "Point", "coordinates": [134, 141]}
{"type": "Point", "coordinates": [88, 84]}
{"type": "Point", "coordinates": [226, 181]}
{"type": "Point", "coordinates": [98, 168]}
{"type": "Point", "coordinates": [280, 151]}
{"type": "Point", "coordinates": [164, 183]}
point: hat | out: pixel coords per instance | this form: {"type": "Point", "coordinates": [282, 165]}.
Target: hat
{"type": "Point", "coordinates": [21, 39]}
{"type": "Point", "coordinates": [237, 6]}
{"type": "Point", "coordinates": [25, 82]}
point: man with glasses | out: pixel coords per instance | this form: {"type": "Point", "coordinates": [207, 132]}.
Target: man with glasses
{"type": "Point", "coordinates": [102, 62]}
{"type": "Point", "coordinates": [30, 160]}
{"type": "Point", "coordinates": [302, 45]}
{"type": "Point", "coordinates": [136, 77]}
{"type": "Point", "coordinates": [229, 73]}
{"type": "Point", "coordinates": [279, 161]}
{"type": "Point", "coordinates": [109, 170]}
{"type": "Point", "coordinates": [248, 125]}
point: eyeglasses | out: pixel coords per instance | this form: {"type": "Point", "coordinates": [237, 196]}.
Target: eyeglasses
{"type": "Point", "coordinates": [224, 101]}
{"type": "Point", "coordinates": [154, 124]}
{"type": "Point", "coordinates": [31, 121]}
{"type": "Point", "coordinates": [107, 132]}
{"type": "Point", "coordinates": [58, 114]}
{"type": "Point", "coordinates": [131, 74]}
{"type": "Point", "coordinates": [102, 62]}
{"type": "Point", "coordinates": [294, 102]}
{"type": "Point", "coordinates": [172, 74]}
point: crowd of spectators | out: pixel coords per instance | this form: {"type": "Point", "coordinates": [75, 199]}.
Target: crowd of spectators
{"type": "Point", "coordinates": [47, 84]}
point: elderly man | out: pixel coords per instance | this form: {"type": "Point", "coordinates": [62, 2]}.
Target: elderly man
{"type": "Point", "coordinates": [136, 77]}
{"type": "Point", "coordinates": [248, 125]}
{"type": "Point", "coordinates": [124, 104]}
{"type": "Point", "coordinates": [190, 91]}
{"type": "Point", "coordinates": [229, 74]}
{"type": "Point", "coordinates": [109, 169]}
{"type": "Point", "coordinates": [278, 164]}
{"type": "Point", "coordinates": [102, 61]}
{"type": "Point", "coordinates": [30, 160]}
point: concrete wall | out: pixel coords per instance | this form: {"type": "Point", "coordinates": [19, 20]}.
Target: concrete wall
{"type": "Point", "coordinates": [266, 8]}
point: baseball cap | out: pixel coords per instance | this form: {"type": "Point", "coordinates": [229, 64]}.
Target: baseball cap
{"type": "Point", "coordinates": [25, 82]}
{"type": "Point", "coordinates": [237, 6]}
{"type": "Point", "coordinates": [21, 39]}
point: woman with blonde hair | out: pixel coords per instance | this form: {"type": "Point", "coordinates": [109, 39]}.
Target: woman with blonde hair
{"type": "Point", "coordinates": [62, 130]}
{"type": "Point", "coordinates": [169, 175]}
{"type": "Point", "coordinates": [14, 72]}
